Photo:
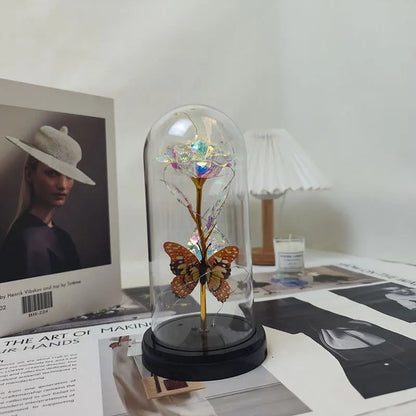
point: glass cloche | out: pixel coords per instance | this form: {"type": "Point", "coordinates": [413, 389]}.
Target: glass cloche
{"type": "Point", "coordinates": [199, 249]}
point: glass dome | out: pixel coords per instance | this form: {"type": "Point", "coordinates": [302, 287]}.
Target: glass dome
{"type": "Point", "coordinates": [199, 248]}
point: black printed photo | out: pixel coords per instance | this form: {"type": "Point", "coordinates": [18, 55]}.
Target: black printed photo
{"type": "Point", "coordinates": [389, 298]}
{"type": "Point", "coordinates": [54, 214]}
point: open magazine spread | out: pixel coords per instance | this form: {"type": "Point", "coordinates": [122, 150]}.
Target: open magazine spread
{"type": "Point", "coordinates": [343, 346]}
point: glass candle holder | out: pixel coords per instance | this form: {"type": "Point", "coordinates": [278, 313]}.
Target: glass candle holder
{"type": "Point", "coordinates": [289, 255]}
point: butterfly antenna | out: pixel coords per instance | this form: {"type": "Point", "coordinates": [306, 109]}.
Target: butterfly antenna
{"type": "Point", "coordinates": [218, 312]}
{"type": "Point", "coordinates": [188, 284]}
{"type": "Point", "coordinates": [205, 274]}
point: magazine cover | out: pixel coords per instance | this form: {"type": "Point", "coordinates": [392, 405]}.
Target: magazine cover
{"type": "Point", "coordinates": [58, 209]}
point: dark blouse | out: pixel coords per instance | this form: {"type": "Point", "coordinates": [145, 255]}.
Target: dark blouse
{"type": "Point", "coordinates": [31, 249]}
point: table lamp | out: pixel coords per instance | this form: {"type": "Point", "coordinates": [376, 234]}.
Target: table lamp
{"type": "Point", "coordinates": [276, 164]}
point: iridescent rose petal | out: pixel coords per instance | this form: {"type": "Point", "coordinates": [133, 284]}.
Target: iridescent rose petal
{"type": "Point", "coordinates": [199, 158]}
{"type": "Point", "coordinates": [202, 169]}
{"type": "Point", "coordinates": [199, 148]}
{"type": "Point", "coordinates": [183, 156]}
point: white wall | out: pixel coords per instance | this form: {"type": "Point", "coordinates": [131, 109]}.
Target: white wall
{"type": "Point", "coordinates": [349, 75]}
{"type": "Point", "coordinates": [340, 75]}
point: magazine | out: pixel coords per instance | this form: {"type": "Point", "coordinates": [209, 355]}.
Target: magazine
{"type": "Point", "coordinates": [321, 345]}
{"type": "Point", "coordinates": [58, 211]}
{"type": "Point", "coordinates": [90, 371]}
{"type": "Point", "coordinates": [329, 276]}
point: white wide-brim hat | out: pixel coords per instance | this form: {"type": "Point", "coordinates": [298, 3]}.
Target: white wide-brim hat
{"type": "Point", "coordinates": [57, 149]}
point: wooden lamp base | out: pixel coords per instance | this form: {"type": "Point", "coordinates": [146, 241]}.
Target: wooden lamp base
{"type": "Point", "coordinates": [264, 256]}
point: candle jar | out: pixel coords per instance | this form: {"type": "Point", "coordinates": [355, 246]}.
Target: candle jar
{"type": "Point", "coordinates": [289, 255]}
{"type": "Point", "coordinates": [201, 287]}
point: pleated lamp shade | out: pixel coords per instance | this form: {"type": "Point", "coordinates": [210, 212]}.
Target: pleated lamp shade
{"type": "Point", "coordinates": [276, 164]}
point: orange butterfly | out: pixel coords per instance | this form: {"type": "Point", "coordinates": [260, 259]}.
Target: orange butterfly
{"type": "Point", "coordinates": [188, 270]}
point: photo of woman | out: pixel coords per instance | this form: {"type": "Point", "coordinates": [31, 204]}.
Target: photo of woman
{"type": "Point", "coordinates": [35, 245]}
{"type": "Point", "coordinates": [54, 211]}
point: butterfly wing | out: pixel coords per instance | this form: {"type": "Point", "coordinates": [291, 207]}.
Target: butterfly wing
{"type": "Point", "coordinates": [220, 265]}
{"type": "Point", "coordinates": [185, 267]}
